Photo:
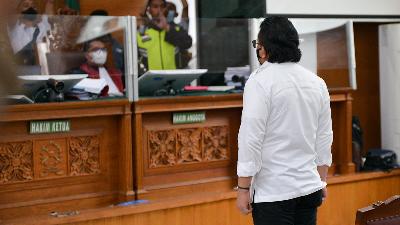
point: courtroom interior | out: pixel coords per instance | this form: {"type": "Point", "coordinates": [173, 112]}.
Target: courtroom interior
{"type": "Point", "coordinates": [128, 111]}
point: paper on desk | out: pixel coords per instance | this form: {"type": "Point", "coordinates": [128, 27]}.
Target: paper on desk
{"type": "Point", "coordinates": [91, 85]}
{"type": "Point", "coordinates": [220, 88]}
{"type": "Point", "coordinates": [20, 98]}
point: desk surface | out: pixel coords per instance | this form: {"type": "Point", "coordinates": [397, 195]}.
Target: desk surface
{"type": "Point", "coordinates": [65, 110]}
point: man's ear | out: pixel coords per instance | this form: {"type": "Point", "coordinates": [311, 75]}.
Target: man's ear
{"type": "Point", "coordinates": [87, 56]}
{"type": "Point", "coordinates": [263, 53]}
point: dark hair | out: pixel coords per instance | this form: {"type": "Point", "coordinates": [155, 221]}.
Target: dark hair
{"type": "Point", "coordinates": [280, 39]}
{"type": "Point", "coordinates": [86, 45]}
{"type": "Point", "coordinates": [99, 12]}
{"type": "Point", "coordinates": [149, 1]}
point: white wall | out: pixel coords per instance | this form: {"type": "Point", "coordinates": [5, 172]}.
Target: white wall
{"type": "Point", "coordinates": [308, 47]}
{"type": "Point", "coordinates": [334, 7]}
{"type": "Point", "coordinates": [389, 69]}
{"type": "Point", "coordinates": [307, 29]}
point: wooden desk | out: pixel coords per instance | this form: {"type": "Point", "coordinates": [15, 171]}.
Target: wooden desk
{"type": "Point", "coordinates": [162, 171]}
{"type": "Point", "coordinates": [90, 166]}
{"type": "Point", "coordinates": [176, 159]}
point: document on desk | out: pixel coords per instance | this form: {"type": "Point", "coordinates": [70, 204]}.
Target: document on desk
{"type": "Point", "coordinates": [20, 99]}
{"type": "Point", "coordinates": [91, 85]}
{"type": "Point", "coordinates": [173, 72]}
{"type": "Point", "coordinates": [220, 88]}
{"type": "Point", "coordinates": [208, 88]}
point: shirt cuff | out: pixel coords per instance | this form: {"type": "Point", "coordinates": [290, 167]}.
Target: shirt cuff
{"type": "Point", "coordinates": [324, 161]}
{"type": "Point", "coordinates": [247, 169]}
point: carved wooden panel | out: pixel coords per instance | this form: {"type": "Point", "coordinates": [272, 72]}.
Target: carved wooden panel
{"type": "Point", "coordinates": [162, 148]}
{"type": "Point", "coordinates": [16, 161]}
{"type": "Point", "coordinates": [65, 31]}
{"type": "Point", "coordinates": [189, 145]}
{"type": "Point", "coordinates": [215, 141]}
{"type": "Point", "coordinates": [50, 158]}
{"type": "Point", "coordinates": [84, 156]}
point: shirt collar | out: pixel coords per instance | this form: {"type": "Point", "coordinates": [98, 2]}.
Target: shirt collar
{"type": "Point", "coordinates": [263, 66]}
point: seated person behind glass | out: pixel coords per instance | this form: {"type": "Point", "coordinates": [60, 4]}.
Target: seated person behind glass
{"type": "Point", "coordinates": [29, 29]}
{"type": "Point", "coordinates": [117, 48]}
{"type": "Point", "coordinates": [96, 57]}
{"type": "Point", "coordinates": [159, 40]}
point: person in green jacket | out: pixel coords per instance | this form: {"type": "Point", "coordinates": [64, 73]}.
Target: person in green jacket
{"type": "Point", "coordinates": [159, 39]}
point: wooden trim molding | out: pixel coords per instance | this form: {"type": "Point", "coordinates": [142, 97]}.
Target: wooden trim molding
{"type": "Point", "coordinates": [76, 109]}
{"type": "Point", "coordinates": [182, 103]}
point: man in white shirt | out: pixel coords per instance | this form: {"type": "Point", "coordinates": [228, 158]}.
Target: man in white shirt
{"type": "Point", "coordinates": [285, 135]}
{"type": "Point", "coordinates": [29, 29]}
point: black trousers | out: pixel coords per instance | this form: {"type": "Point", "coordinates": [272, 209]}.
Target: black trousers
{"type": "Point", "coordinates": [297, 211]}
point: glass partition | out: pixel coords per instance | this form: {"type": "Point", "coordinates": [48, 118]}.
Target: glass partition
{"type": "Point", "coordinates": [66, 58]}
{"type": "Point", "coordinates": [327, 47]}
{"type": "Point", "coordinates": [214, 56]}
{"type": "Point", "coordinates": [328, 50]}
{"type": "Point", "coordinates": [165, 45]}
{"type": "Point", "coordinates": [225, 58]}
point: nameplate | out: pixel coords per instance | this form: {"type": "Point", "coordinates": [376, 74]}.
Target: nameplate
{"type": "Point", "coordinates": [188, 117]}
{"type": "Point", "coordinates": [49, 126]}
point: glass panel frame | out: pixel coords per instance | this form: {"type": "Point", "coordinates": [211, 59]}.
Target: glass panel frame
{"type": "Point", "coordinates": [309, 27]}
{"type": "Point", "coordinates": [61, 48]}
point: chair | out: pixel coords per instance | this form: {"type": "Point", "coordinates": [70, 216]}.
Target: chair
{"type": "Point", "coordinates": [380, 213]}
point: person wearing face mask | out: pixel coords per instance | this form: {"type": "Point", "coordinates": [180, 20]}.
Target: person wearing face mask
{"type": "Point", "coordinates": [117, 48]}
{"type": "Point", "coordinates": [28, 29]}
{"type": "Point", "coordinates": [285, 135]}
{"type": "Point", "coordinates": [159, 38]}
{"type": "Point", "coordinates": [95, 66]}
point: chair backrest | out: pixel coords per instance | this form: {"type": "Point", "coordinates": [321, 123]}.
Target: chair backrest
{"type": "Point", "coordinates": [380, 213]}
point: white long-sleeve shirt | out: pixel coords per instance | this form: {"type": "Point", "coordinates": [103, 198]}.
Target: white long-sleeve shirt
{"type": "Point", "coordinates": [20, 35]}
{"type": "Point", "coordinates": [112, 88]}
{"type": "Point", "coordinates": [285, 132]}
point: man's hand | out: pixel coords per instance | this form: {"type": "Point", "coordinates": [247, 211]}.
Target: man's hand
{"type": "Point", "coordinates": [162, 23]}
{"type": "Point", "coordinates": [243, 201]}
{"type": "Point", "coordinates": [323, 172]}
{"type": "Point", "coordinates": [324, 193]}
